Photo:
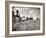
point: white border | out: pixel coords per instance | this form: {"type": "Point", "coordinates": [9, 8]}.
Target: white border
{"type": "Point", "coordinates": [24, 32]}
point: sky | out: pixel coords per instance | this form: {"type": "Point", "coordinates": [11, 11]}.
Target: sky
{"type": "Point", "coordinates": [28, 12]}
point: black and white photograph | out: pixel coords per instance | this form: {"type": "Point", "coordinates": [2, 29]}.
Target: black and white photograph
{"type": "Point", "coordinates": [25, 18]}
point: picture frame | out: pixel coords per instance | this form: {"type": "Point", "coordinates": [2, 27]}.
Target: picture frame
{"type": "Point", "coordinates": [8, 18]}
